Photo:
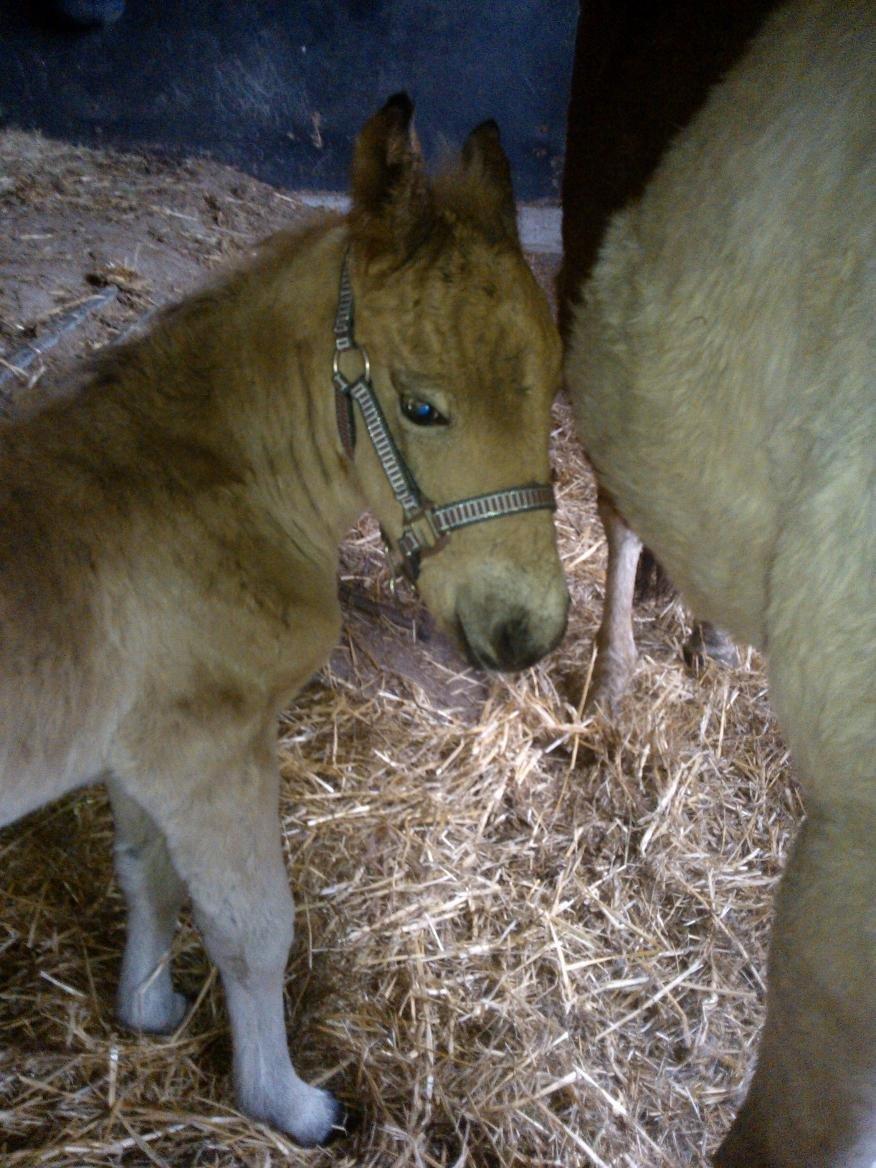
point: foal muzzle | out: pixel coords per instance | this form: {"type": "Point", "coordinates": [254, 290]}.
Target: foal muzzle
{"type": "Point", "coordinates": [425, 526]}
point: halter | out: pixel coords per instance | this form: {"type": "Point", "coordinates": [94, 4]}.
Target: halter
{"type": "Point", "coordinates": [426, 527]}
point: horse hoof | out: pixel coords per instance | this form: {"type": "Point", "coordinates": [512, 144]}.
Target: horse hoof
{"type": "Point", "coordinates": [705, 644]}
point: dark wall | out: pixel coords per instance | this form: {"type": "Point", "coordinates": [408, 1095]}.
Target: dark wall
{"type": "Point", "coordinates": [280, 87]}
{"type": "Point", "coordinates": [642, 69]}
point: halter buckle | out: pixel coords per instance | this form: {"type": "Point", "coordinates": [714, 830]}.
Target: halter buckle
{"type": "Point", "coordinates": [420, 537]}
{"type": "Point", "coordinates": [420, 532]}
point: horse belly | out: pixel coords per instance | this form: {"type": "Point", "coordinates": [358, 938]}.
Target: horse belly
{"type": "Point", "coordinates": [720, 347]}
{"type": "Point", "coordinates": [693, 485]}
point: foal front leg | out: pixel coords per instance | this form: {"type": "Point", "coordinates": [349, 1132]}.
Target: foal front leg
{"type": "Point", "coordinates": [146, 998]}
{"type": "Point", "coordinates": [224, 837]}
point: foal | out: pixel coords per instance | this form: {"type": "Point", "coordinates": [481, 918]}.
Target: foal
{"type": "Point", "coordinates": [169, 534]}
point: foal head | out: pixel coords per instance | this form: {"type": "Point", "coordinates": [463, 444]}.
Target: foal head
{"type": "Point", "coordinates": [465, 362]}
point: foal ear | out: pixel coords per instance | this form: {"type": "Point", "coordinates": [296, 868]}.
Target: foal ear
{"type": "Point", "coordinates": [391, 200]}
{"type": "Point", "coordinates": [485, 163]}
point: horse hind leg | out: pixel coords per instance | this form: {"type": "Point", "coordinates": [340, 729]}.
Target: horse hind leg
{"type": "Point", "coordinates": [812, 1100]}
{"type": "Point", "coordinates": [146, 999]}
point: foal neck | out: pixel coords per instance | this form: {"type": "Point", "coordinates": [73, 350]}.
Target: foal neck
{"type": "Point", "coordinates": [244, 369]}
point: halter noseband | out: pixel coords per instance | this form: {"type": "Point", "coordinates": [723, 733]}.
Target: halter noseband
{"type": "Point", "coordinates": [426, 527]}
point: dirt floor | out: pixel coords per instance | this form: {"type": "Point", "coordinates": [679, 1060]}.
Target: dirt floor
{"type": "Point", "coordinates": [526, 936]}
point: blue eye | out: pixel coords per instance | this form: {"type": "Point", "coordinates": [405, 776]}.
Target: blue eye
{"type": "Point", "coordinates": [421, 413]}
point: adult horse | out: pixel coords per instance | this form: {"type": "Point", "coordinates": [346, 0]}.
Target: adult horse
{"type": "Point", "coordinates": [722, 366]}
{"type": "Point", "coordinates": [169, 534]}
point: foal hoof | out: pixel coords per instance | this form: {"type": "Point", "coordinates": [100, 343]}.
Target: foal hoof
{"type": "Point", "coordinates": [338, 1120]}
{"type": "Point", "coordinates": [347, 1123]}
{"type": "Point", "coordinates": [149, 1016]}
{"type": "Point", "coordinates": [313, 1118]}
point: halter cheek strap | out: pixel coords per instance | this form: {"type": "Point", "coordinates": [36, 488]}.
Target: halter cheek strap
{"type": "Point", "coordinates": [425, 527]}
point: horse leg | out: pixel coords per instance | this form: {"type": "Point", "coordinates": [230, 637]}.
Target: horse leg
{"type": "Point", "coordinates": [225, 842]}
{"type": "Point", "coordinates": [146, 998]}
{"type": "Point", "coordinates": [615, 645]}
{"type": "Point", "coordinates": [812, 1100]}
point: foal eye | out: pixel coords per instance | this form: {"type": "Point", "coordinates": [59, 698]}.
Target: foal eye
{"type": "Point", "coordinates": [421, 413]}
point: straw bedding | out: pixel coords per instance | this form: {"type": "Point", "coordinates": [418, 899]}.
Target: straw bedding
{"type": "Point", "coordinates": [525, 936]}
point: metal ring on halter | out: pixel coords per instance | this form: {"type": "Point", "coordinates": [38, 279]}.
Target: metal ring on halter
{"type": "Point", "coordinates": [336, 360]}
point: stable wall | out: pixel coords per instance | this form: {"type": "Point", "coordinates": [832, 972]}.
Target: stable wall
{"type": "Point", "coordinates": [279, 88]}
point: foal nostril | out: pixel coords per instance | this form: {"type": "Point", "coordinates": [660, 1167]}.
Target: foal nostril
{"type": "Point", "coordinates": [518, 638]}
{"type": "Point", "coordinates": [512, 643]}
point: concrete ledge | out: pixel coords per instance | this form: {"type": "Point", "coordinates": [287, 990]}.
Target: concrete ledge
{"type": "Point", "coordinates": [539, 223]}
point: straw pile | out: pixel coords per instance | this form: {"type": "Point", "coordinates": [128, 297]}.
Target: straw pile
{"type": "Point", "coordinates": [525, 936]}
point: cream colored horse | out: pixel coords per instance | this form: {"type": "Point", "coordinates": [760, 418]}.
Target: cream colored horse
{"type": "Point", "coordinates": [169, 534]}
{"type": "Point", "coordinates": [722, 366]}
